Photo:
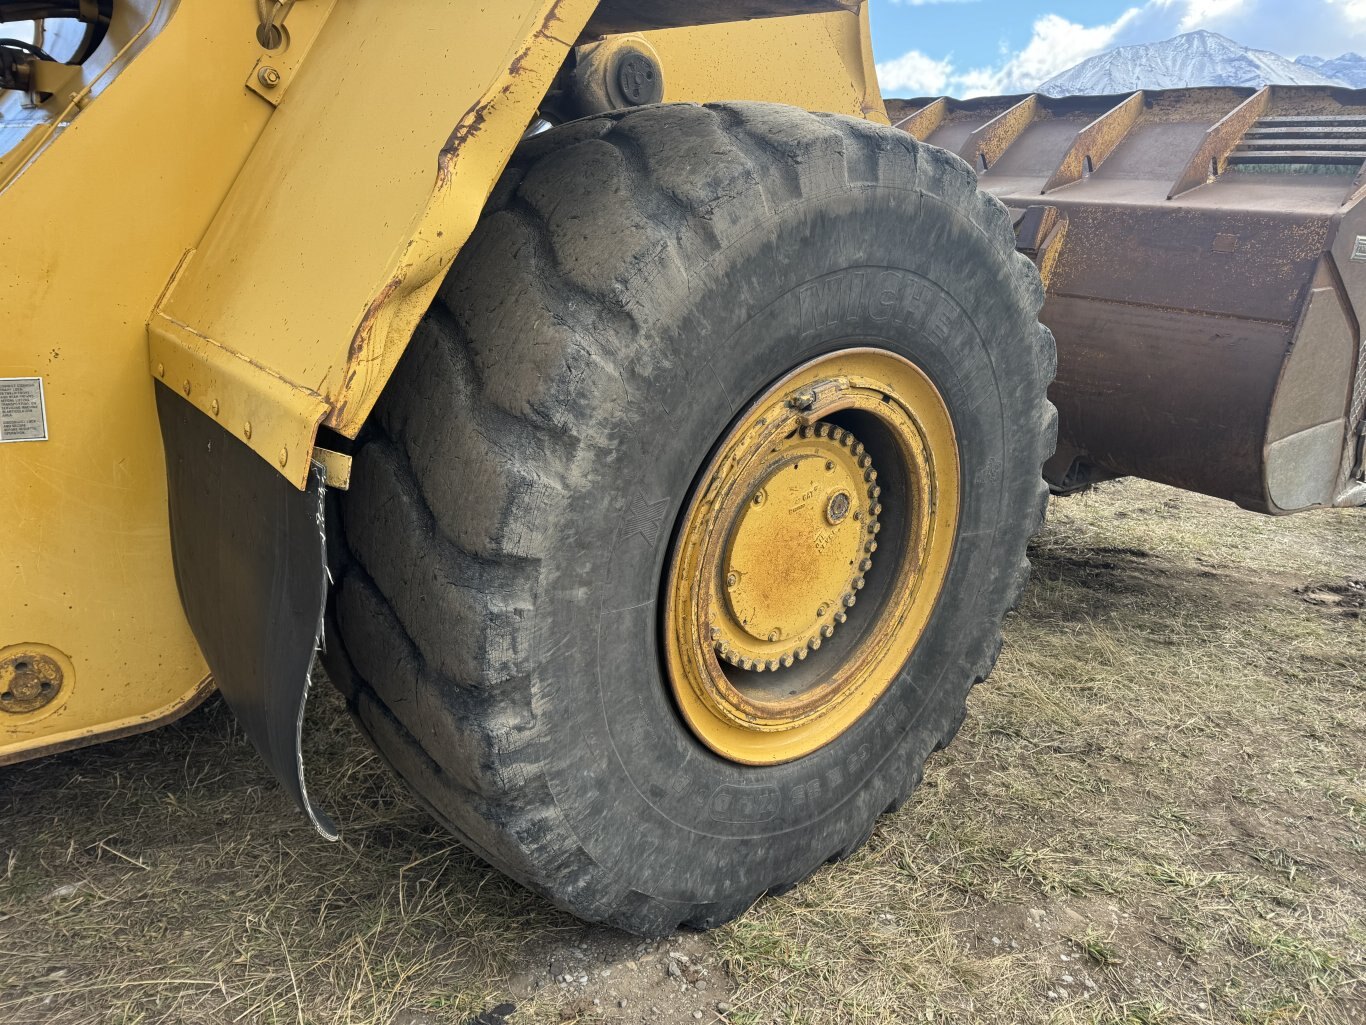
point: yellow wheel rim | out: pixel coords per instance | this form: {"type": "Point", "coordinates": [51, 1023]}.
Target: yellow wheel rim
{"type": "Point", "coordinates": [811, 556]}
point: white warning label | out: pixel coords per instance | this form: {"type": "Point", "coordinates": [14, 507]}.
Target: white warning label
{"type": "Point", "coordinates": [23, 415]}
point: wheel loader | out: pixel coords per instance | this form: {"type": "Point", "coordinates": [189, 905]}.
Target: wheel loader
{"type": "Point", "coordinates": [644, 423]}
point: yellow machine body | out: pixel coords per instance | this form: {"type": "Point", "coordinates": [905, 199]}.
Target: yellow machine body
{"type": "Point", "coordinates": [260, 230]}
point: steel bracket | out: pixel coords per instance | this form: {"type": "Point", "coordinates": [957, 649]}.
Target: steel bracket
{"type": "Point", "coordinates": [277, 419]}
{"type": "Point", "coordinates": [274, 70]}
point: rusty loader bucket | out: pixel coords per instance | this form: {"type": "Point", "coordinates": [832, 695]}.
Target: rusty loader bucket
{"type": "Point", "coordinates": [1204, 252]}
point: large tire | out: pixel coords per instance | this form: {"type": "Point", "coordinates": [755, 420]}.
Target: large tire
{"type": "Point", "coordinates": [634, 281]}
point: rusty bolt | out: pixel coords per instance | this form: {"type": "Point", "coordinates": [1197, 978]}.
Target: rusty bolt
{"type": "Point", "coordinates": [824, 610]}
{"type": "Point", "coordinates": [773, 635]}
{"type": "Point", "coordinates": [803, 400]}
{"type": "Point", "coordinates": [838, 508]}
{"type": "Point", "coordinates": [760, 497]}
{"type": "Point", "coordinates": [732, 579]}
{"type": "Point", "coordinates": [268, 77]}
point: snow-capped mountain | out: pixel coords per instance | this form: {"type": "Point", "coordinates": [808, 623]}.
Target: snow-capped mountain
{"type": "Point", "coordinates": [1349, 69]}
{"type": "Point", "coordinates": [1196, 58]}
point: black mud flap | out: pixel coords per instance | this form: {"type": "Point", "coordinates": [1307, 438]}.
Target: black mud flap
{"type": "Point", "coordinates": [252, 572]}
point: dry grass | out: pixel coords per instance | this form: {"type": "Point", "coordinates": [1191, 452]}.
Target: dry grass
{"type": "Point", "coordinates": [1156, 814]}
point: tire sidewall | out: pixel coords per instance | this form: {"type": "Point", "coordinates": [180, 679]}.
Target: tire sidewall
{"type": "Point", "coordinates": [875, 266]}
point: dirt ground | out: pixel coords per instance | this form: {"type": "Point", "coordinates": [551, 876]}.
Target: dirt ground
{"type": "Point", "coordinates": [1155, 813]}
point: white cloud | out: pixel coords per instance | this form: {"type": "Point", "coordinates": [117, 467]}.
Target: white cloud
{"type": "Point", "coordinates": [914, 74]}
{"type": "Point", "coordinates": [1324, 27]}
{"type": "Point", "coordinates": [1196, 14]}
{"type": "Point", "coordinates": [1056, 45]}
{"type": "Point", "coordinates": [1353, 10]}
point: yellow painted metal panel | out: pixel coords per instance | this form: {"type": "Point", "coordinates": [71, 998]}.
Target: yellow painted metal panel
{"type": "Point", "coordinates": [349, 213]}
{"type": "Point", "coordinates": [755, 61]}
{"type": "Point", "coordinates": [371, 174]}
{"type": "Point", "coordinates": [90, 232]}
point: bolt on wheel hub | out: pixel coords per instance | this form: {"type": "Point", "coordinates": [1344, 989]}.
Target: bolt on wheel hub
{"type": "Point", "coordinates": [817, 504]}
{"type": "Point", "coordinates": [811, 555]}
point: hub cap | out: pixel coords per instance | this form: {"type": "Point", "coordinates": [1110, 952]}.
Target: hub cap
{"type": "Point", "coordinates": [817, 503]}
{"type": "Point", "coordinates": [811, 555]}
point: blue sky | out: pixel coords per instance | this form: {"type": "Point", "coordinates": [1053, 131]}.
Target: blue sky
{"type": "Point", "coordinates": [970, 47]}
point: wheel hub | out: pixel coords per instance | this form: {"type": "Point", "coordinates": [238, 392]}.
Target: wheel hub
{"type": "Point", "coordinates": [836, 488]}
{"type": "Point", "coordinates": [797, 551]}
